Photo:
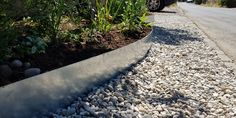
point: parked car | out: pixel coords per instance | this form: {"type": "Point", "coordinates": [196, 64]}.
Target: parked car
{"type": "Point", "coordinates": [189, 1]}
{"type": "Point", "coordinates": [158, 5]}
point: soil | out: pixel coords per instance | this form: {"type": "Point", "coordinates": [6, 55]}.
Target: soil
{"type": "Point", "coordinates": [69, 53]}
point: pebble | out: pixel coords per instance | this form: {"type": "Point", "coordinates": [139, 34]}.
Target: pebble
{"type": "Point", "coordinates": [120, 99]}
{"type": "Point", "coordinates": [71, 111]}
{"type": "Point", "coordinates": [215, 94]}
{"type": "Point", "coordinates": [27, 65]}
{"type": "Point", "coordinates": [5, 71]}
{"type": "Point", "coordinates": [159, 108]}
{"type": "Point", "coordinates": [32, 72]}
{"type": "Point", "coordinates": [16, 64]}
{"type": "Point", "coordinates": [114, 99]}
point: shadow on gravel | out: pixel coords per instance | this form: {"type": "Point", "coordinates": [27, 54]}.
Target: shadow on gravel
{"type": "Point", "coordinates": [179, 98]}
{"type": "Point", "coordinates": [176, 97]}
{"type": "Point", "coordinates": [172, 36]}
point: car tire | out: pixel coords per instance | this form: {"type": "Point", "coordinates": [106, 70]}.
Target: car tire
{"type": "Point", "coordinates": [155, 6]}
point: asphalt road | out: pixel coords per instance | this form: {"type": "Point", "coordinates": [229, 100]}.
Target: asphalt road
{"type": "Point", "coordinates": [218, 23]}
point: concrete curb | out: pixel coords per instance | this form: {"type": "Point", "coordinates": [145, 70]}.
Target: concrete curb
{"type": "Point", "coordinates": [226, 59]}
{"type": "Point", "coordinates": [46, 92]}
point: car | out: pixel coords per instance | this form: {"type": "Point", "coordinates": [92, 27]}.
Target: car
{"type": "Point", "coordinates": [158, 5]}
{"type": "Point", "coordinates": [189, 1]}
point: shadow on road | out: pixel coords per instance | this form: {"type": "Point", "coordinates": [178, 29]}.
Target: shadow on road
{"type": "Point", "coordinates": [171, 36]}
{"type": "Point", "coordinates": [173, 12]}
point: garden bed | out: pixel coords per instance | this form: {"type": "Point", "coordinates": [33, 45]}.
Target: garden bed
{"type": "Point", "coordinates": [59, 87]}
{"type": "Point", "coordinates": [68, 53]}
{"type": "Point", "coordinates": [37, 37]}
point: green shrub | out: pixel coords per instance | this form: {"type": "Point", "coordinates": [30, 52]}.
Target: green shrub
{"type": "Point", "coordinates": [30, 45]}
{"type": "Point", "coordinates": [204, 1]}
{"type": "Point", "coordinates": [103, 16]}
{"type": "Point", "coordinates": [227, 3]}
{"type": "Point", "coordinates": [128, 13]}
{"type": "Point", "coordinates": [134, 9]}
{"type": "Point", "coordinates": [198, 2]}
{"type": "Point", "coordinates": [50, 14]}
{"type": "Point", "coordinates": [8, 35]}
{"type": "Point", "coordinates": [222, 3]}
{"type": "Point", "coordinates": [40, 21]}
{"type": "Point", "coordinates": [84, 8]}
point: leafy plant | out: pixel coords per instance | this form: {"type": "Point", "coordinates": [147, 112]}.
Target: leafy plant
{"type": "Point", "coordinates": [130, 13]}
{"type": "Point", "coordinates": [143, 21]}
{"type": "Point", "coordinates": [44, 18]}
{"type": "Point", "coordinates": [230, 3]}
{"type": "Point", "coordinates": [133, 11]}
{"type": "Point", "coordinates": [84, 8]}
{"type": "Point", "coordinates": [30, 45]}
{"type": "Point", "coordinates": [8, 35]}
{"type": "Point", "coordinates": [226, 3]}
{"type": "Point", "coordinates": [198, 2]}
{"type": "Point", "coordinates": [49, 16]}
{"type": "Point", "coordinates": [220, 2]}
{"type": "Point", "coordinates": [101, 21]}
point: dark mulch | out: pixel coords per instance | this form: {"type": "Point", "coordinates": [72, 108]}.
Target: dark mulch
{"type": "Point", "coordinates": [69, 53]}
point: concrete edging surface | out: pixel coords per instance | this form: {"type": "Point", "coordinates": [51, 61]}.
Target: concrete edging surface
{"type": "Point", "coordinates": [46, 92]}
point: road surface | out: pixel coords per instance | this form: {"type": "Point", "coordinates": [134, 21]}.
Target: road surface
{"type": "Point", "coordinates": [218, 23]}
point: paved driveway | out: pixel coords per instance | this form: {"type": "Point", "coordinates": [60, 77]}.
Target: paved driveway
{"type": "Point", "coordinates": [218, 23]}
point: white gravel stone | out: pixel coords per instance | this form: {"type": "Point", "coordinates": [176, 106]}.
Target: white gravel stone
{"type": "Point", "coordinates": [181, 77]}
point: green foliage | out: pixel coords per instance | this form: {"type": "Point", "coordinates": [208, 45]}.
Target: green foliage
{"type": "Point", "coordinates": [70, 37]}
{"type": "Point", "coordinates": [50, 14]}
{"type": "Point", "coordinates": [143, 22]}
{"type": "Point", "coordinates": [128, 13]}
{"type": "Point", "coordinates": [198, 2]}
{"type": "Point", "coordinates": [101, 21]}
{"type": "Point", "coordinates": [231, 3]}
{"type": "Point", "coordinates": [133, 11]}
{"type": "Point", "coordinates": [30, 45]}
{"type": "Point", "coordinates": [226, 3]}
{"type": "Point", "coordinates": [40, 21]}
{"type": "Point", "coordinates": [221, 3]}
{"type": "Point", "coordinates": [89, 35]}
{"type": "Point", "coordinates": [116, 9]}
{"type": "Point", "coordinates": [7, 35]}
{"type": "Point", "coordinates": [84, 8]}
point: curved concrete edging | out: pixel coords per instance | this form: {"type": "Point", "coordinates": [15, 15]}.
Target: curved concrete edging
{"type": "Point", "coordinates": [48, 91]}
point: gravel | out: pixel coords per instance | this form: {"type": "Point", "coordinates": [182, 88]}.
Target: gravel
{"type": "Point", "coordinates": [181, 77]}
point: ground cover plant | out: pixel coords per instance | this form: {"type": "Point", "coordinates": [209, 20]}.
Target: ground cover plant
{"type": "Point", "coordinates": [38, 36]}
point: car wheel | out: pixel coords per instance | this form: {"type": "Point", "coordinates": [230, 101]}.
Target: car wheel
{"type": "Point", "coordinates": [155, 5]}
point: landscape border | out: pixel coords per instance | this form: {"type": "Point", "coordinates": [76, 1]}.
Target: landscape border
{"type": "Point", "coordinates": [51, 90]}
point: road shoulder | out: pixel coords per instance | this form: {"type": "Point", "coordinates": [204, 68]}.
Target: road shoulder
{"type": "Point", "coordinates": [228, 61]}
